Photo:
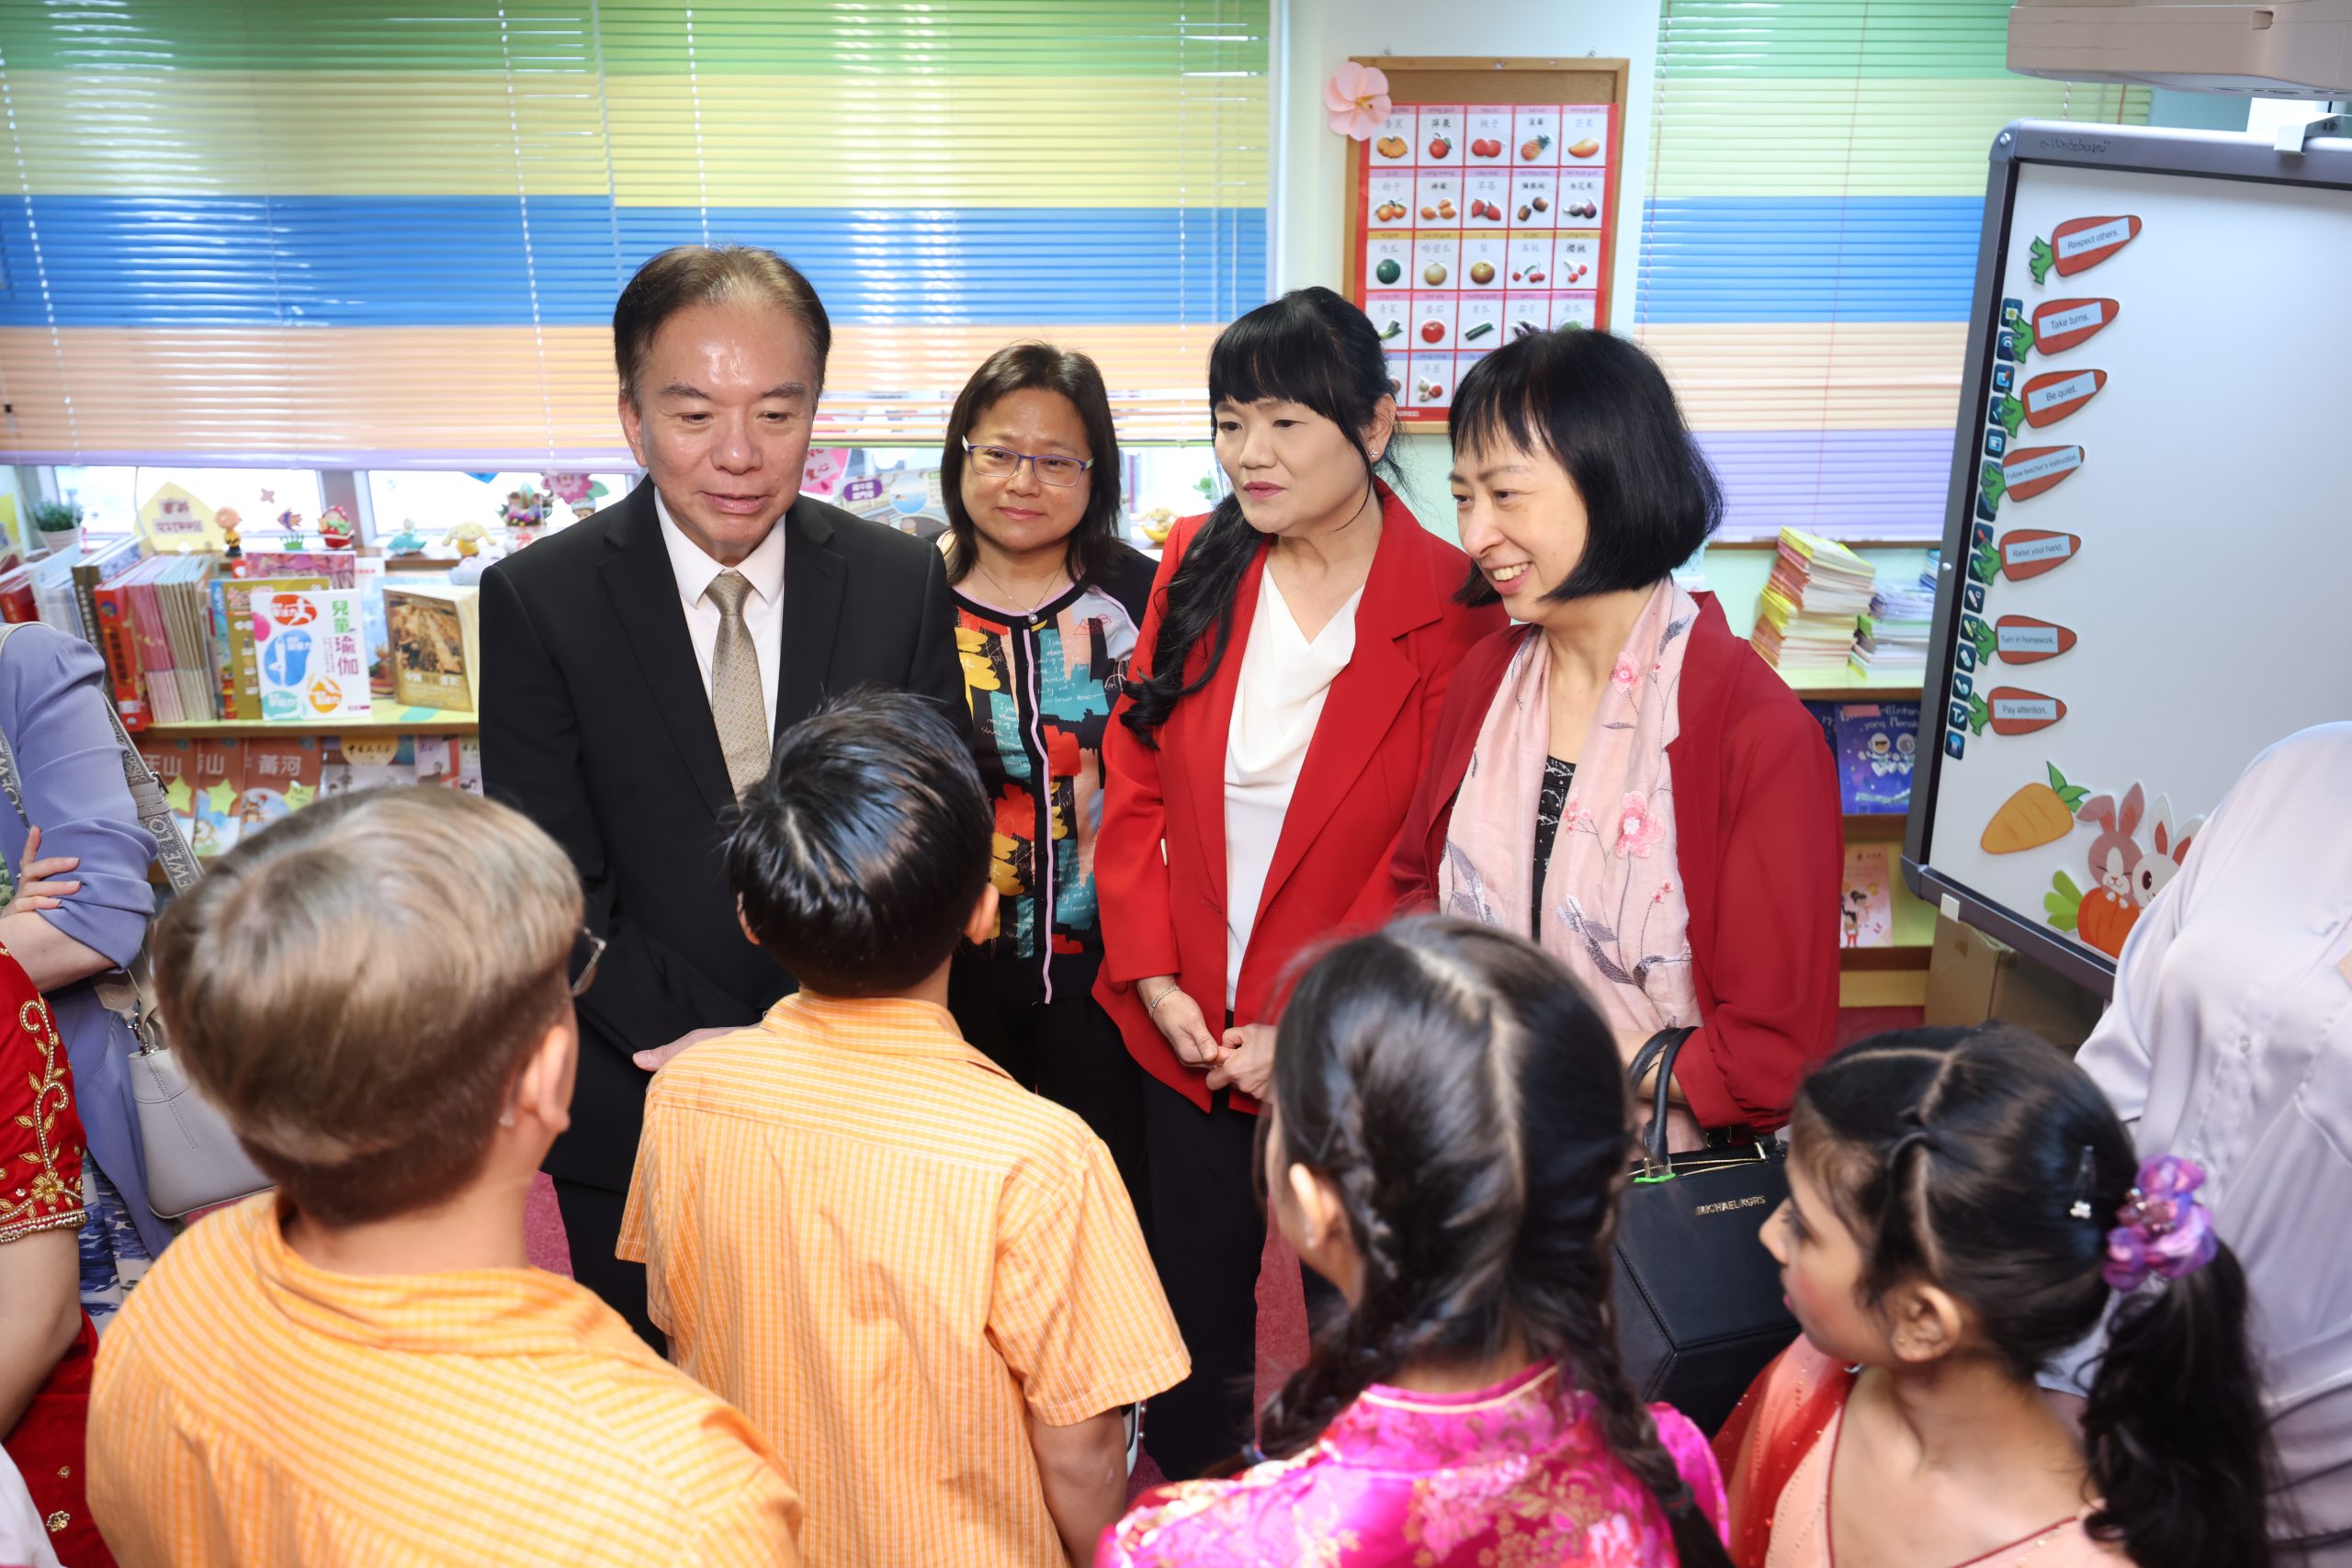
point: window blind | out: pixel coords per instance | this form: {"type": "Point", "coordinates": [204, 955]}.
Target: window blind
{"type": "Point", "coordinates": [1809, 242]}
{"type": "Point", "coordinates": [354, 233]}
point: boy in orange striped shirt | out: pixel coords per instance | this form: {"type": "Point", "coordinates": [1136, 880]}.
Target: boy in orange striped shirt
{"type": "Point", "coordinates": [362, 1368]}
{"type": "Point", "coordinates": [924, 1284]}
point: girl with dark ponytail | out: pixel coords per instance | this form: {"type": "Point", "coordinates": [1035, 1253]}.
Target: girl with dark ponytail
{"type": "Point", "coordinates": [1963, 1208]}
{"type": "Point", "coordinates": [1296, 649]}
{"type": "Point", "coordinates": [1447, 1145]}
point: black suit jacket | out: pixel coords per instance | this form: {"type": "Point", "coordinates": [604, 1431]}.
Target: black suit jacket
{"type": "Point", "coordinates": [594, 724]}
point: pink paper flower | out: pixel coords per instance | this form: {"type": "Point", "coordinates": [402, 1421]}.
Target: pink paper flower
{"type": "Point", "coordinates": [1637, 829]}
{"type": "Point", "coordinates": [1624, 675]}
{"type": "Point", "coordinates": [1357, 97]}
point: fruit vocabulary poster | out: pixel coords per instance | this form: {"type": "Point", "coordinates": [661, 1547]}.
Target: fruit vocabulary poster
{"type": "Point", "coordinates": [1482, 215]}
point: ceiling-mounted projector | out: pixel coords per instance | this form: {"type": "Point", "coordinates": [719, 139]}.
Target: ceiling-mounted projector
{"type": "Point", "coordinates": [2289, 49]}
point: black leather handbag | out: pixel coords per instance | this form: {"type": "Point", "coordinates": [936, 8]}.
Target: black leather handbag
{"type": "Point", "coordinates": [1698, 1299]}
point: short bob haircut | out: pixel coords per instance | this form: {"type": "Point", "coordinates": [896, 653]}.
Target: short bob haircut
{"type": "Point", "coordinates": [860, 857]}
{"type": "Point", "coordinates": [1039, 366]}
{"type": "Point", "coordinates": [1601, 409]}
{"type": "Point", "coordinates": [357, 985]}
{"type": "Point", "coordinates": [685, 275]}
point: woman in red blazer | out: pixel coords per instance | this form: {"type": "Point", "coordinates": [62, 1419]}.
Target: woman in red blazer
{"type": "Point", "coordinates": [1286, 681]}
{"type": "Point", "coordinates": [1649, 801]}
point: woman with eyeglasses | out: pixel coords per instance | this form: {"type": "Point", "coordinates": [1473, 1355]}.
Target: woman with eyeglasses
{"type": "Point", "coordinates": [1300, 640]}
{"type": "Point", "coordinates": [1047, 599]}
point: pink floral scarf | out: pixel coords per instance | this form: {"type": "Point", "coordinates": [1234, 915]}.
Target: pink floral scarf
{"type": "Point", "coordinates": [1611, 907]}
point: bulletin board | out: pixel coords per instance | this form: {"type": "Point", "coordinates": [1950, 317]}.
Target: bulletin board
{"type": "Point", "coordinates": [2142, 578]}
{"type": "Point", "coordinates": [1483, 208]}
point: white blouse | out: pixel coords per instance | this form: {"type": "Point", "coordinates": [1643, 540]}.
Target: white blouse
{"type": "Point", "coordinates": [2230, 1041]}
{"type": "Point", "coordinates": [1279, 697]}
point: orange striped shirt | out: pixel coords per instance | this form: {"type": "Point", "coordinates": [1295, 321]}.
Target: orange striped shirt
{"type": "Point", "coordinates": [253, 1410]}
{"type": "Point", "coordinates": [890, 1255]}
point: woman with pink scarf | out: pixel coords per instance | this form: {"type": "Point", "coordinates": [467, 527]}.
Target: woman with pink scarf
{"type": "Point", "coordinates": [1619, 777]}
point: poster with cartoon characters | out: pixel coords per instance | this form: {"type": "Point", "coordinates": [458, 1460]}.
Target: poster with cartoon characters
{"type": "Point", "coordinates": [2144, 586]}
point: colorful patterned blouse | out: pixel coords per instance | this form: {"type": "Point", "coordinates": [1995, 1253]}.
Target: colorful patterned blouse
{"type": "Point", "coordinates": [1041, 687]}
{"type": "Point", "coordinates": [1513, 1476]}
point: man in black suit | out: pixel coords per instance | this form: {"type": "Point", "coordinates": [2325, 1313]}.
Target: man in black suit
{"type": "Point", "coordinates": [637, 666]}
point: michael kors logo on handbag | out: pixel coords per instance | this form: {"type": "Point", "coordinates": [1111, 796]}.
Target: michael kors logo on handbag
{"type": "Point", "coordinates": [1754, 1201]}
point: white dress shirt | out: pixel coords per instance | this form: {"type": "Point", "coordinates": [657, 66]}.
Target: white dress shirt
{"type": "Point", "coordinates": [1277, 700]}
{"type": "Point", "coordinates": [763, 607]}
{"type": "Point", "coordinates": [2230, 1041]}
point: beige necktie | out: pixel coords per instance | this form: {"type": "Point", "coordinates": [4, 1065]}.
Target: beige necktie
{"type": "Point", "coordinates": [736, 703]}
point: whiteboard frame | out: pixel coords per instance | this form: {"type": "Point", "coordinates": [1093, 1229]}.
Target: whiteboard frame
{"type": "Point", "coordinates": [2325, 161]}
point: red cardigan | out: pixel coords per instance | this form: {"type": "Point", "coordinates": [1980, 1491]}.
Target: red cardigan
{"type": "Point", "coordinates": [1159, 859]}
{"type": "Point", "coordinates": [1759, 847]}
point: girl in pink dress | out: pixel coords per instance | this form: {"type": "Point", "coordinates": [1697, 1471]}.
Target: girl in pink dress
{"type": "Point", "coordinates": [1446, 1144]}
{"type": "Point", "coordinates": [1963, 1206]}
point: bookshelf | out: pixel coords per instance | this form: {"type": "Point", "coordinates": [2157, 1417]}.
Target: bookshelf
{"type": "Point", "coordinates": [1895, 976]}
{"type": "Point", "coordinates": [1879, 689]}
{"type": "Point", "coordinates": [389, 718]}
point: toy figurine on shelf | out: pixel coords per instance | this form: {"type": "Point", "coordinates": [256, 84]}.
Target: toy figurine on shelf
{"type": "Point", "coordinates": [291, 522]}
{"type": "Point", "coordinates": [579, 491]}
{"type": "Point", "coordinates": [227, 520]}
{"type": "Point", "coordinates": [525, 514]}
{"type": "Point", "coordinates": [466, 539]}
{"type": "Point", "coordinates": [334, 528]}
{"type": "Point", "coordinates": [408, 541]}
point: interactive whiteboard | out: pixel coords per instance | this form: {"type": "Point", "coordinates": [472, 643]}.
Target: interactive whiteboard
{"type": "Point", "coordinates": [2146, 575]}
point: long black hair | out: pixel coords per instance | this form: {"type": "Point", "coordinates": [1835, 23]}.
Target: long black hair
{"type": "Point", "coordinates": [1960, 1156]}
{"type": "Point", "coordinates": [1309, 347]}
{"type": "Point", "coordinates": [1093, 545]}
{"type": "Point", "coordinates": [1462, 1094]}
{"type": "Point", "coordinates": [1603, 408]}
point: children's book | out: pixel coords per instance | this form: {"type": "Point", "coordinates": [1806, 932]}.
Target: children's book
{"type": "Point", "coordinates": [281, 777]}
{"type": "Point", "coordinates": [1877, 744]}
{"type": "Point", "coordinates": [1866, 903]}
{"type": "Point", "coordinates": [355, 762]}
{"type": "Point", "coordinates": [311, 656]}
{"type": "Point", "coordinates": [216, 777]}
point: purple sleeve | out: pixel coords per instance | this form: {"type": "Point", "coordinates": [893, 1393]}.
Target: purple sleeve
{"type": "Point", "coordinates": [53, 703]}
{"type": "Point", "coordinates": [1696, 1460]}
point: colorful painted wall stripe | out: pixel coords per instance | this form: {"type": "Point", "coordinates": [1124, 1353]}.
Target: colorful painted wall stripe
{"type": "Point", "coordinates": [1809, 242]}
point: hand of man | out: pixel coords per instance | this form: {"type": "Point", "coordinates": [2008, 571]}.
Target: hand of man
{"type": "Point", "coordinates": [1248, 1064]}
{"type": "Point", "coordinates": [661, 1056]}
{"type": "Point", "coordinates": [1178, 1018]}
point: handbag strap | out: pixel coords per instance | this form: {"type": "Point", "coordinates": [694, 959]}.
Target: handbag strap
{"type": "Point", "coordinates": [1658, 1050]}
{"type": "Point", "coordinates": [172, 852]}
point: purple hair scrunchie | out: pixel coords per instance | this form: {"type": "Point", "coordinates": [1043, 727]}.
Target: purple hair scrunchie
{"type": "Point", "coordinates": [2161, 1229]}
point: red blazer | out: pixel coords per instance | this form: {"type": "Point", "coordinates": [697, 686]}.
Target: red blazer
{"type": "Point", "coordinates": [1760, 849]}
{"type": "Point", "coordinates": [1164, 914]}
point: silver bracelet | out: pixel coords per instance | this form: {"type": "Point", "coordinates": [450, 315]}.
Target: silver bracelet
{"type": "Point", "coordinates": [1151, 1008]}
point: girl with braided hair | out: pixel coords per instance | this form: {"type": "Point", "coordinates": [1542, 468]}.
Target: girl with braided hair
{"type": "Point", "coordinates": [1446, 1144]}
{"type": "Point", "coordinates": [1963, 1207]}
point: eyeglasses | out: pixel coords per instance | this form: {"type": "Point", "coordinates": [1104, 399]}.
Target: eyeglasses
{"type": "Point", "coordinates": [587, 974]}
{"type": "Point", "coordinates": [1002, 462]}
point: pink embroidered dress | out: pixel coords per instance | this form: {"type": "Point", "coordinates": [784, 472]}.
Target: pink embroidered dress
{"type": "Point", "coordinates": [1513, 1476]}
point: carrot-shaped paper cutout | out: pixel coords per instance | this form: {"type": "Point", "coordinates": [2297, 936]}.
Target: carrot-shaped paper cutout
{"type": "Point", "coordinates": [2049, 398]}
{"type": "Point", "coordinates": [2080, 244]}
{"type": "Point", "coordinates": [2026, 552]}
{"type": "Point", "coordinates": [2011, 710]}
{"type": "Point", "coordinates": [2021, 639]}
{"type": "Point", "coordinates": [2037, 815]}
{"type": "Point", "coordinates": [2057, 326]}
{"type": "Point", "coordinates": [2029, 470]}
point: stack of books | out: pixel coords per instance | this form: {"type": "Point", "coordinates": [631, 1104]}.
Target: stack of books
{"type": "Point", "coordinates": [1891, 644]}
{"type": "Point", "coordinates": [1812, 607]}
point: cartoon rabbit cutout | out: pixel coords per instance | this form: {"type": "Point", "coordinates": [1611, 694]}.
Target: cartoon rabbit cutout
{"type": "Point", "coordinates": [2110, 907]}
{"type": "Point", "coordinates": [2171, 854]}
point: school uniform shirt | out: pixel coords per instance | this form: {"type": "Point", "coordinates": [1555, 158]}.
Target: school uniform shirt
{"type": "Point", "coordinates": [252, 1410]}
{"type": "Point", "coordinates": [1041, 685]}
{"type": "Point", "coordinates": [892, 1256]}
